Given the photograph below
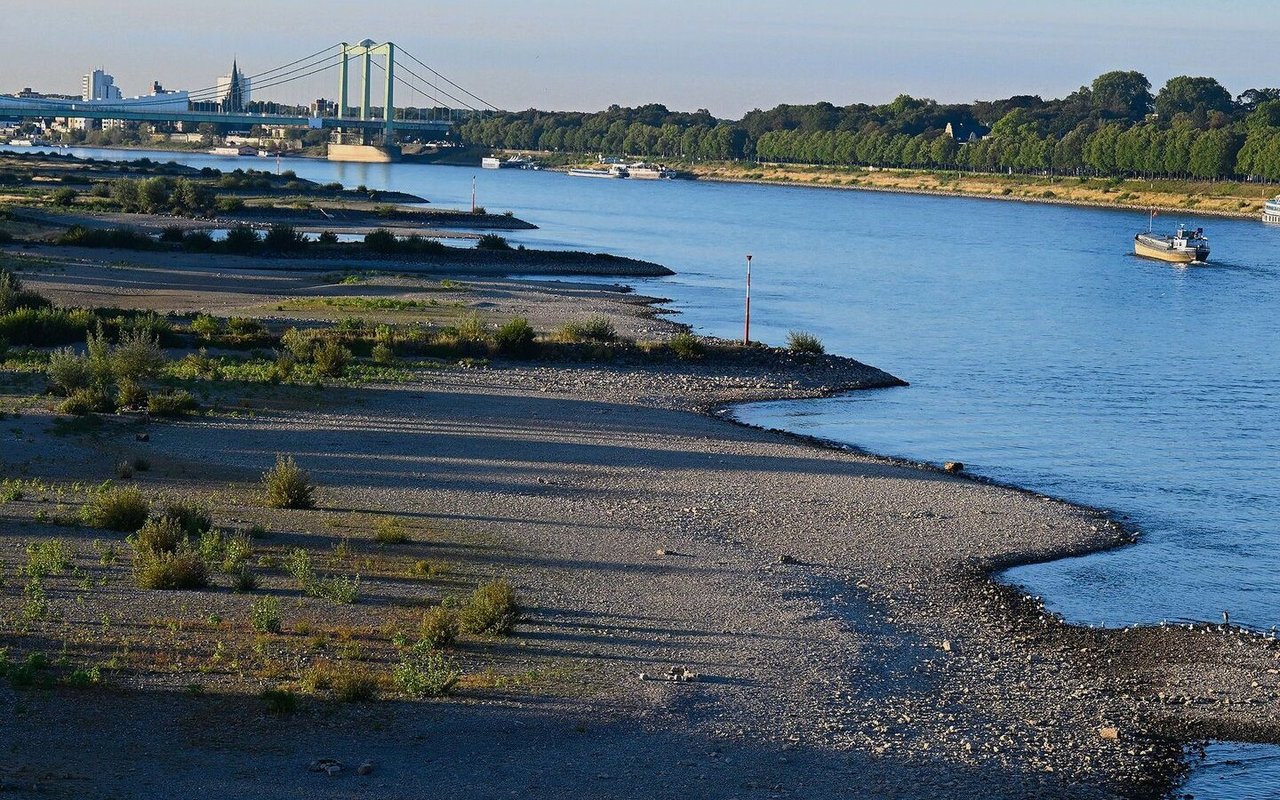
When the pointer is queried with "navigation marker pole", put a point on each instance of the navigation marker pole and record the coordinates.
(746, 329)
(473, 194)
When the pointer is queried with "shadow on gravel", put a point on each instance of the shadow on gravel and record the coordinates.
(113, 743)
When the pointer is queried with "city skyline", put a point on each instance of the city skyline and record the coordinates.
(729, 60)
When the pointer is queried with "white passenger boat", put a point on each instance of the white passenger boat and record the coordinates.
(1271, 210)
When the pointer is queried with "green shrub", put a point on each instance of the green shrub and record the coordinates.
(687, 347)
(181, 570)
(87, 401)
(230, 205)
(331, 358)
(198, 242)
(424, 672)
(69, 371)
(382, 354)
(137, 356)
(191, 517)
(160, 535)
(286, 485)
(440, 627)
(389, 530)
(327, 237)
(241, 240)
(130, 394)
(116, 238)
(354, 684)
(245, 327)
(237, 549)
(13, 296)
(173, 234)
(805, 343)
(44, 326)
(516, 339)
(341, 589)
(596, 328)
(297, 562)
(244, 581)
(283, 239)
(64, 197)
(172, 403)
(382, 241)
(49, 557)
(492, 241)
(264, 615)
(122, 508)
(492, 609)
(297, 344)
(279, 701)
(206, 326)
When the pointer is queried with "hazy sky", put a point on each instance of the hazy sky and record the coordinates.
(727, 56)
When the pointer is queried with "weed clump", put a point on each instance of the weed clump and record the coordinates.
(596, 328)
(116, 508)
(181, 570)
(687, 347)
(286, 485)
(264, 615)
(491, 610)
(424, 672)
(172, 404)
(805, 343)
(516, 339)
(440, 627)
(87, 401)
(331, 358)
(279, 701)
(390, 530)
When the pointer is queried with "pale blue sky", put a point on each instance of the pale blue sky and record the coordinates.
(725, 56)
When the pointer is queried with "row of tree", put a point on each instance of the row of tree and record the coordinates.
(1115, 126)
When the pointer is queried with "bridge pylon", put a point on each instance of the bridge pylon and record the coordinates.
(366, 51)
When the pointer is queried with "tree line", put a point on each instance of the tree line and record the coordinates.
(1191, 128)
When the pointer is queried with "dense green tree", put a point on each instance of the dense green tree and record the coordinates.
(1194, 96)
(1122, 94)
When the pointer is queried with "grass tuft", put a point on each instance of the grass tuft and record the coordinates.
(491, 610)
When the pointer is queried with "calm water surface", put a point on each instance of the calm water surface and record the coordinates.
(1039, 351)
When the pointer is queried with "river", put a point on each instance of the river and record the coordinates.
(1039, 350)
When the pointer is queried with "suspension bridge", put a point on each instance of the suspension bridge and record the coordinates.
(361, 131)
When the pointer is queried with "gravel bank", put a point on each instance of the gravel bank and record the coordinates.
(836, 607)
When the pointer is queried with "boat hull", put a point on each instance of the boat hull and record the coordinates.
(1271, 212)
(1170, 255)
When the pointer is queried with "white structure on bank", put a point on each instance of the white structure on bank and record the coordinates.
(98, 85)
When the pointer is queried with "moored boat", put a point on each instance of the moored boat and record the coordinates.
(1271, 210)
(1182, 247)
(648, 172)
(612, 172)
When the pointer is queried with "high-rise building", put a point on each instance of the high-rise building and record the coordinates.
(98, 85)
(234, 90)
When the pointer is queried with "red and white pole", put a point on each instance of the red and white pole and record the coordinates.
(473, 194)
(746, 329)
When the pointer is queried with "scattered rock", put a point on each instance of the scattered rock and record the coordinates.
(1109, 733)
(142, 437)
(365, 769)
(331, 766)
(661, 552)
(785, 559)
(680, 674)
(953, 466)
(644, 676)
(947, 647)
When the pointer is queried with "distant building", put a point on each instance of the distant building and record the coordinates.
(964, 134)
(98, 85)
(234, 90)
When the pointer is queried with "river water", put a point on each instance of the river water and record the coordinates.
(1039, 350)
